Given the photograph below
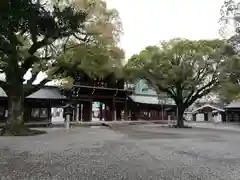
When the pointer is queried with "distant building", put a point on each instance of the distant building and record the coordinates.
(211, 112)
(233, 111)
(146, 104)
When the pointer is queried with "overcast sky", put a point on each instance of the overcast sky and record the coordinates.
(146, 22)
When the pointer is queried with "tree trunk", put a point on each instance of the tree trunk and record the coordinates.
(15, 91)
(15, 121)
(15, 109)
(180, 119)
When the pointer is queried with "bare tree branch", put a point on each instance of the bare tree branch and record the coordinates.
(37, 45)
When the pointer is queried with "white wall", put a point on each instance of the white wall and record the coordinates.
(200, 117)
(217, 118)
(210, 116)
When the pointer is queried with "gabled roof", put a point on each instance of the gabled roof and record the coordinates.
(47, 93)
(2, 93)
(145, 94)
(144, 99)
(141, 87)
(44, 93)
(218, 107)
(233, 104)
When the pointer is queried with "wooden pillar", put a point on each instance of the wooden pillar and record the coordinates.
(132, 113)
(226, 116)
(90, 111)
(49, 112)
(108, 111)
(72, 115)
(149, 114)
(100, 112)
(118, 112)
(81, 112)
(87, 111)
(77, 112)
(114, 114)
(125, 110)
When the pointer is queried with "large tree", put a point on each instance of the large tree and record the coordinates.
(35, 33)
(230, 82)
(102, 56)
(183, 69)
(91, 61)
(230, 20)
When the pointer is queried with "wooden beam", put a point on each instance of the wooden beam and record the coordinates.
(84, 97)
(103, 88)
(114, 118)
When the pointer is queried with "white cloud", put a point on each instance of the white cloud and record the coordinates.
(146, 22)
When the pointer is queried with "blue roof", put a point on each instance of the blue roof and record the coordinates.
(145, 94)
(47, 93)
(141, 87)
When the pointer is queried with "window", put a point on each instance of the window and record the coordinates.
(40, 112)
(43, 113)
(35, 112)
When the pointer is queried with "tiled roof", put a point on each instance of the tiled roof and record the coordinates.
(47, 93)
(146, 99)
(233, 104)
(141, 87)
(2, 93)
(145, 94)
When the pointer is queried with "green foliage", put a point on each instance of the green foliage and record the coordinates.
(230, 87)
(28, 31)
(229, 91)
(95, 61)
(179, 62)
(101, 20)
(34, 35)
(186, 70)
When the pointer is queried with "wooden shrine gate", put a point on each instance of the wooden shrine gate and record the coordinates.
(84, 92)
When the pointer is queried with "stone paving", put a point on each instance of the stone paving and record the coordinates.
(209, 125)
(132, 152)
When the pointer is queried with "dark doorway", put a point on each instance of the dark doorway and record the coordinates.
(205, 116)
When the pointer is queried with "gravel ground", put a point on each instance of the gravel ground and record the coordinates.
(133, 152)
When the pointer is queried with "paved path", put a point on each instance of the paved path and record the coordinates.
(138, 152)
